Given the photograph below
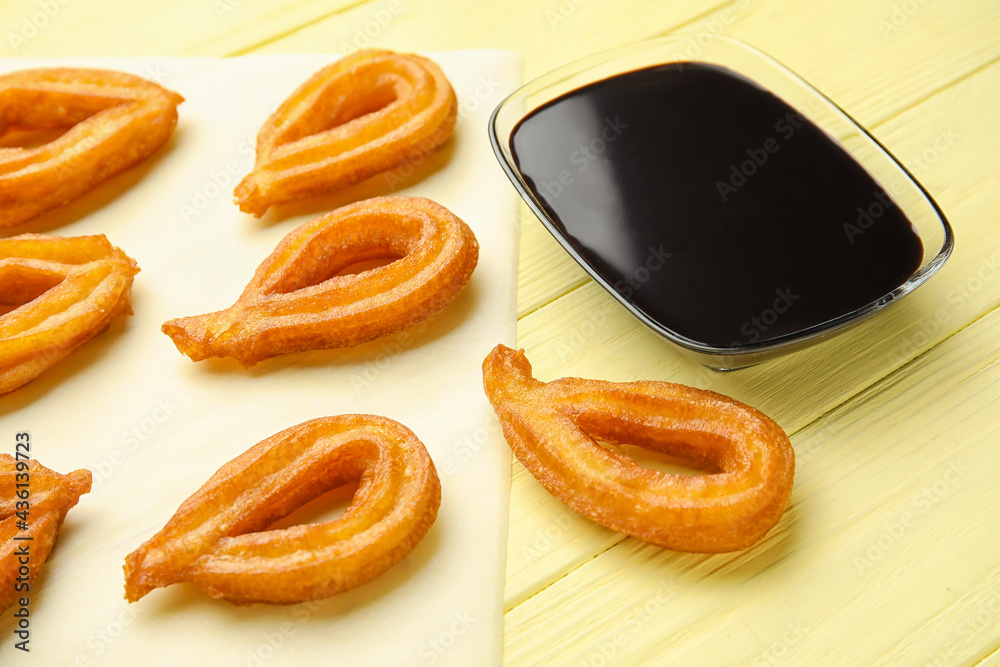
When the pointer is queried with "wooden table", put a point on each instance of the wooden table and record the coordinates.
(888, 553)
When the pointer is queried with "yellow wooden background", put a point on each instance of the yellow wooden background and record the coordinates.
(890, 550)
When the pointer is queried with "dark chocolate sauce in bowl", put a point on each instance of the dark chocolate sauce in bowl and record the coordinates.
(711, 206)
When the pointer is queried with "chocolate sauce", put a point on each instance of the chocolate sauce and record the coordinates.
(711, 205)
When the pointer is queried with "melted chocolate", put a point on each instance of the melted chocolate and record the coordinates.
(711, 205)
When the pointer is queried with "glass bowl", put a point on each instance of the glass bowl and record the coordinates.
(688, 211)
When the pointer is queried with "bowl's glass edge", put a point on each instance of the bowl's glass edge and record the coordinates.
(723, 358)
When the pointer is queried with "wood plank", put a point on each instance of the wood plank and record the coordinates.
(548, 272)
(587, 334)
(54, 28)
(889, 498)
(547, 33)
(991, 660)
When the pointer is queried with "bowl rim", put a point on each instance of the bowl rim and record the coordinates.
(752, 352)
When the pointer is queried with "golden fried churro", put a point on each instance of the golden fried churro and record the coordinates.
(33, 503)
(364, 114)
(551, 428)
(297, 301)
(113, 121)
(56, 294)
(219, 539)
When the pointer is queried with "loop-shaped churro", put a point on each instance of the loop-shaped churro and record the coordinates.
(113, 121)
(56, 293)
(33, 504)
(368, 112)
(297, 301)
(553, 429)
(219, 539)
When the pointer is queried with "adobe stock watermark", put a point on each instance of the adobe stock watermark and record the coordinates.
(778, 650)
(546, 538)
(389, 349)
(957, 297)
(656, 259)
(757, 157)
(32, 24)
(945, 139)
(562, 12)
(103, 638)
(132, 439)
(868, 216)
(437, 646)
(583, 156)
(755, 327)
(220, 180)
(604, 651)
(156, 73)
(483, 92)
(710, 29)
(102, 129)
(465, 448)
(366, 33)
(809, 448)
(966, 290)
(225, 7)
(893, 530)
(272, 641)
(986, 616)
(899, 16)
(578, 336)
(425, 148)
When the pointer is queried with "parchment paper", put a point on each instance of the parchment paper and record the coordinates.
(153, 426)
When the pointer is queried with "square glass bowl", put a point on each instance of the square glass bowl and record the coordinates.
(698, 210)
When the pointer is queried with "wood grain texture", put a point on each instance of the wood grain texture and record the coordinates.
(888, 553)
(47, 28)
(598, 339)
(888, 541)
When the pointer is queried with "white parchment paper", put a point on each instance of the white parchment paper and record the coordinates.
(153, 426)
